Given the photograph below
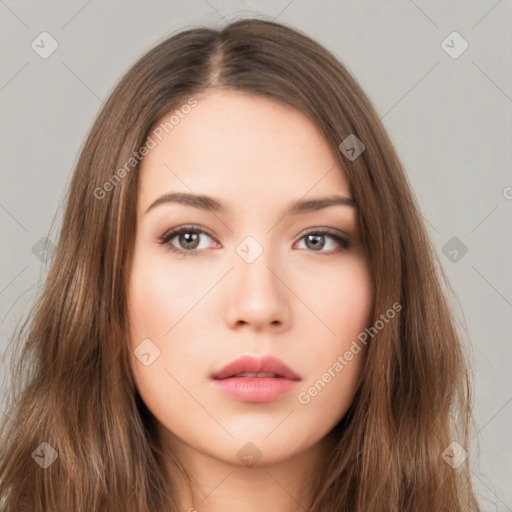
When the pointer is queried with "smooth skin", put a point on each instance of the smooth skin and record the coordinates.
(300, 300)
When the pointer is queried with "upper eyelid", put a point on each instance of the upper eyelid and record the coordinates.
(175, 231)
(328, 231)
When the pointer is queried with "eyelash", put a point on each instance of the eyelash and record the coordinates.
(166, 238)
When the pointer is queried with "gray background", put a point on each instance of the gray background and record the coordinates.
(450, 119)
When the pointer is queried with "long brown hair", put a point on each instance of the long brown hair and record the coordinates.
(72, 386)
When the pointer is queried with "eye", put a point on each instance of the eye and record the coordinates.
(188, 237)
(315, 240)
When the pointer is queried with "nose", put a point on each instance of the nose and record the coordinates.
(258, 295)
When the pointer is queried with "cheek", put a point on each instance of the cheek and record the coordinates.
(341, 298)
(161, 314)
(158, 297)
(343, 302)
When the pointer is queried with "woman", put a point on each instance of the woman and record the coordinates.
(244, 307)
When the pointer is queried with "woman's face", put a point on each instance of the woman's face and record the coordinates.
(254, 279)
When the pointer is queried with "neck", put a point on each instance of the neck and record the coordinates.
(224, 486)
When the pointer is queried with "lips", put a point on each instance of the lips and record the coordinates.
(256, 367)
(255, 380)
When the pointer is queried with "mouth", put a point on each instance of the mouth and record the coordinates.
(255, 379)
(258, 375)
(256, 367)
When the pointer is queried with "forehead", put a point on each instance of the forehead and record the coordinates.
(246, 149)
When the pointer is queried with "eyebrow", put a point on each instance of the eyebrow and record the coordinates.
(211, 204)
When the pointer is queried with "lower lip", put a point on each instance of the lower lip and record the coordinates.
(257, 390)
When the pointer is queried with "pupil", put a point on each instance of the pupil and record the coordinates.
(185, 237)
(309, 237)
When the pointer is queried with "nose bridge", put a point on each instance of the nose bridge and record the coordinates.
(258, 296)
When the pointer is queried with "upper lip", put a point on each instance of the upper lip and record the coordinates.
(254, 364)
